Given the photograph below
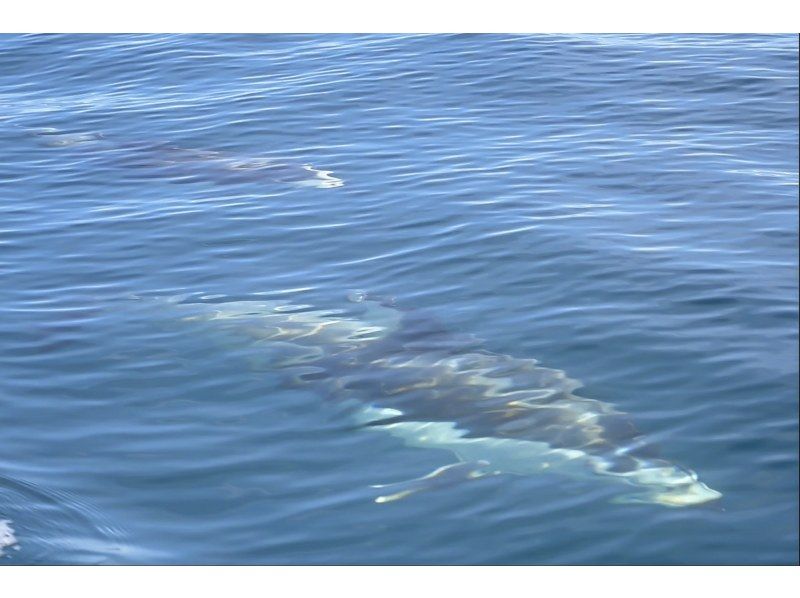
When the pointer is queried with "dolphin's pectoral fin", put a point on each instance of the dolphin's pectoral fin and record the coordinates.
(446, 476)
(629, 499)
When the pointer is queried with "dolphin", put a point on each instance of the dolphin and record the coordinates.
(406, 375)
(165, 159)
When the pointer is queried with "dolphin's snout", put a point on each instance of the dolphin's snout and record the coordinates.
(696, 493)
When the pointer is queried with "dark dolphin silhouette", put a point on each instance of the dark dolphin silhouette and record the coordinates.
(165, 159)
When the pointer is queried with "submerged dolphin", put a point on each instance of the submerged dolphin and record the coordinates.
(163, 159)
(407, 376)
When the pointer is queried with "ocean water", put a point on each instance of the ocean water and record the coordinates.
(620, 208)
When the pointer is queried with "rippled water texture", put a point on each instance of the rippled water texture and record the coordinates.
(620, 208)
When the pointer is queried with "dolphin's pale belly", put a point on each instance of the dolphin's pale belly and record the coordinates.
(506, 455)
(433, 389)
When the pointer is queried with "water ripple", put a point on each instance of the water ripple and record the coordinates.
(622, 207)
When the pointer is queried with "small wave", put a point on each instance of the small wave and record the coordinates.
(51, 526)
(7, 537)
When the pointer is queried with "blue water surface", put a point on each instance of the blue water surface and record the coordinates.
(623, 208)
